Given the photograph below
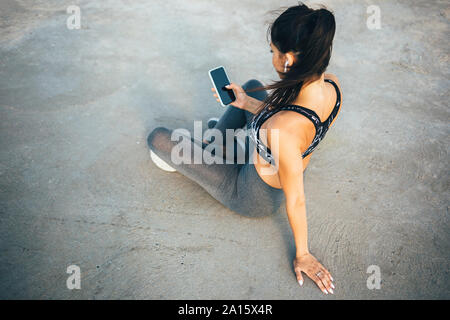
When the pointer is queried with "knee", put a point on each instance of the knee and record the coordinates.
(251, 84)
(156, 135)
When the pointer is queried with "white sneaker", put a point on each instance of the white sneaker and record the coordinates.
(160, 163)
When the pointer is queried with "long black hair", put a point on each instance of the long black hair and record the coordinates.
(308, 34)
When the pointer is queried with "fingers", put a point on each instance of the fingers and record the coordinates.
(215, 94)
(319, 283)
(315, 271)
(233, 86)
(327, 273)
(330, 278)
(321, 278)
(298, 274)
(326, 281)
(326, 278)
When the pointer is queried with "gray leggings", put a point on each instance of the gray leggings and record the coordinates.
(236, 185)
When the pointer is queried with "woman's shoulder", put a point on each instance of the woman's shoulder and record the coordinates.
(290, 123)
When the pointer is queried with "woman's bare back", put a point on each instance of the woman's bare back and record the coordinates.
(321, 102)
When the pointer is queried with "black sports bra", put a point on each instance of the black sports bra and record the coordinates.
(321, 127)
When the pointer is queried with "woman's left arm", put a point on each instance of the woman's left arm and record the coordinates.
(288, 157)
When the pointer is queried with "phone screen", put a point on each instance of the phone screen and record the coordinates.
(220, 80)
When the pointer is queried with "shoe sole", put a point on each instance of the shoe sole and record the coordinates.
(160, 163)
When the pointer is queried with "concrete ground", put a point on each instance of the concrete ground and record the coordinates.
(77, 185)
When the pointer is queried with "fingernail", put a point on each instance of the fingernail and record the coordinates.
(331, 290)
(325, 291)
(331, 278)
(332, 285)
(300, 282)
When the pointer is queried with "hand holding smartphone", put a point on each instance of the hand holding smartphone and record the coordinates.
(220, 79)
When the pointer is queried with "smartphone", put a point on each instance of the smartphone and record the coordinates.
(220, 80)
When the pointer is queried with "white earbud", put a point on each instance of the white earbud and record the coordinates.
(285, 66)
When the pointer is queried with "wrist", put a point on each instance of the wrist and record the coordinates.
(301, 253)
(247, 103)
(250, 104)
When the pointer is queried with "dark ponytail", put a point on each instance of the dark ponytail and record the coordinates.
(308, 34)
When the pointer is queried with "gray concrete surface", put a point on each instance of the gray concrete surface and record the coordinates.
(77, 185)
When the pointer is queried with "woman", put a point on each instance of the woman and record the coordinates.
(290, 116)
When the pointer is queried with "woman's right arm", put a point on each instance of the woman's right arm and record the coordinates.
(288, 157)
